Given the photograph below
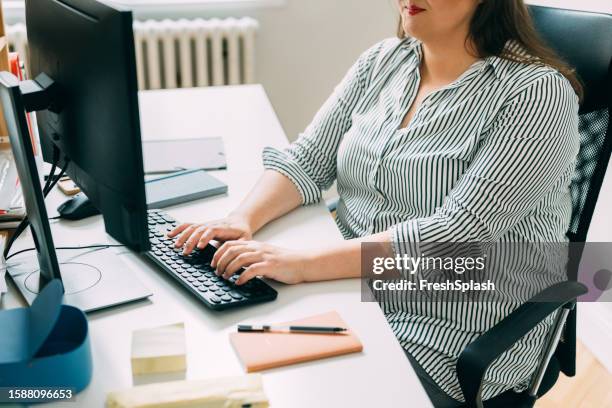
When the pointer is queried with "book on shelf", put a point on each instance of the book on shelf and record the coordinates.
(18, 69)
(4, 236)
(12, 209)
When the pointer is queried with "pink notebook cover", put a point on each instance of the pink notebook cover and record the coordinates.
(261, 351)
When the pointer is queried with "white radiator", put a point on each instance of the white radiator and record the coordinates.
(184, 53)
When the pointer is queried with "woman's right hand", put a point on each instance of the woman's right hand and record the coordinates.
(233, 227)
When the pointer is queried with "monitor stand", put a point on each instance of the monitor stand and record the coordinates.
(92, 280)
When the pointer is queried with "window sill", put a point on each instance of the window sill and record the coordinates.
(14, 10)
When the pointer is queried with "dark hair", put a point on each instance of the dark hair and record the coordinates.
(495, 22)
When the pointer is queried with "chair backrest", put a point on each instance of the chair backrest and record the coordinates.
(584, 41)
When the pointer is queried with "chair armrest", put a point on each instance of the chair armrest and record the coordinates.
(476, 358)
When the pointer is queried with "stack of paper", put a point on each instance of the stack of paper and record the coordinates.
(231, 392)
(3, 239)
(11, 199)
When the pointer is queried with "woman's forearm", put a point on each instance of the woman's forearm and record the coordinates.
(273, 196)
(342, 260)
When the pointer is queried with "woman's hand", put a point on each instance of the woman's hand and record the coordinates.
(190, 236)
(260, 259)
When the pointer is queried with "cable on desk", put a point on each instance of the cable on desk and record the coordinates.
(100, 246)
(49, 185)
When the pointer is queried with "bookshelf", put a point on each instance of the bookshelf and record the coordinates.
(4, 66)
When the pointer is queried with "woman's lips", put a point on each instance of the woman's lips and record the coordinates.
(414, 10)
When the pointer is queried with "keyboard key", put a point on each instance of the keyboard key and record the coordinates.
(212, 298)
(226, 298)
(220, 292)
(235, 295)
(202, 288)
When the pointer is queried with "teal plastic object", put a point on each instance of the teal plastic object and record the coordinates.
(45, 345)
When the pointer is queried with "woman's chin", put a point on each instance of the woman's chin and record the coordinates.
(413, 30)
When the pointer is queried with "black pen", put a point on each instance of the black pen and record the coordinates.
(290, 329)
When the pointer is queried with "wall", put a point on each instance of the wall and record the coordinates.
(306, 46)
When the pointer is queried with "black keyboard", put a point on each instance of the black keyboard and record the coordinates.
(194, 272)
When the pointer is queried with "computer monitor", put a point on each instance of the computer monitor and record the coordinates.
(87, 48)
(90, 119)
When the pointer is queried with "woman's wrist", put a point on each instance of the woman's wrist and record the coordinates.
(340, 261)
(248, 218)
(311, 265)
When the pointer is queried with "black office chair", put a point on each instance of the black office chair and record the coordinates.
(584, 40)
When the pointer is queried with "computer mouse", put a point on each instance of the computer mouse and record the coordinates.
(77, 208)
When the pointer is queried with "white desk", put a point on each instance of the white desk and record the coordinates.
(381, 376)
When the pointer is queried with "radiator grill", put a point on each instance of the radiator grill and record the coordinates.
(184, 53)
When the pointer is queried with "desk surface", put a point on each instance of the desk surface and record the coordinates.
(243, 116)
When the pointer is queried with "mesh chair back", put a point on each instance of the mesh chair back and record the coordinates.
(584, 40)
(591, 166)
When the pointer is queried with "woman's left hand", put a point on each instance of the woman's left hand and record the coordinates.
(259, 259)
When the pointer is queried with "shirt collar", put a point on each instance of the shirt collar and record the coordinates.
(498, 65)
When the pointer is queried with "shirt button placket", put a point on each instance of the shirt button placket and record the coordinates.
(377, 206)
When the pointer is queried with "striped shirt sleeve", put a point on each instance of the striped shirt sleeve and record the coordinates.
(310, 162)
(529, 146)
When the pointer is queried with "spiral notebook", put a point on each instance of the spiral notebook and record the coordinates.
(262, 351)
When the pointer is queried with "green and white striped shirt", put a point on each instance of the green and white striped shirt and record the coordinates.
(487, 158)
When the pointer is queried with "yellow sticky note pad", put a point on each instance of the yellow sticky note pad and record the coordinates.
(159, 350)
